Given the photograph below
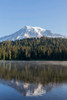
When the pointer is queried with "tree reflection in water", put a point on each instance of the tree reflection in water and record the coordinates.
(32, 79)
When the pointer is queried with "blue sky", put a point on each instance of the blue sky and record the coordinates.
(48, 14)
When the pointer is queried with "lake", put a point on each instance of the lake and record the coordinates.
(33, 80)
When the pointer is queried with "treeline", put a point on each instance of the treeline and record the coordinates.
(34, 49)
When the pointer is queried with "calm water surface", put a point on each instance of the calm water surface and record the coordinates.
(33, 80)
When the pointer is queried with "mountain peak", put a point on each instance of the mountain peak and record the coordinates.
(35, 28)
(30, 32)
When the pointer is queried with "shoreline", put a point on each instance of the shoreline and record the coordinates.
(38, 62)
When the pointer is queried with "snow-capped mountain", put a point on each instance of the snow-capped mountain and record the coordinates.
(30, 32)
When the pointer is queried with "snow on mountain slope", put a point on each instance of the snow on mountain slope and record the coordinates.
(30, 32)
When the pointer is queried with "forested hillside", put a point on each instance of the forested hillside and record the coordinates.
(34, 49)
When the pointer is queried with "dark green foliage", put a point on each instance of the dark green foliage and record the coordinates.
(34, 49)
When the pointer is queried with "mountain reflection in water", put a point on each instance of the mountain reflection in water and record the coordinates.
(32, 79)
(27, 89)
